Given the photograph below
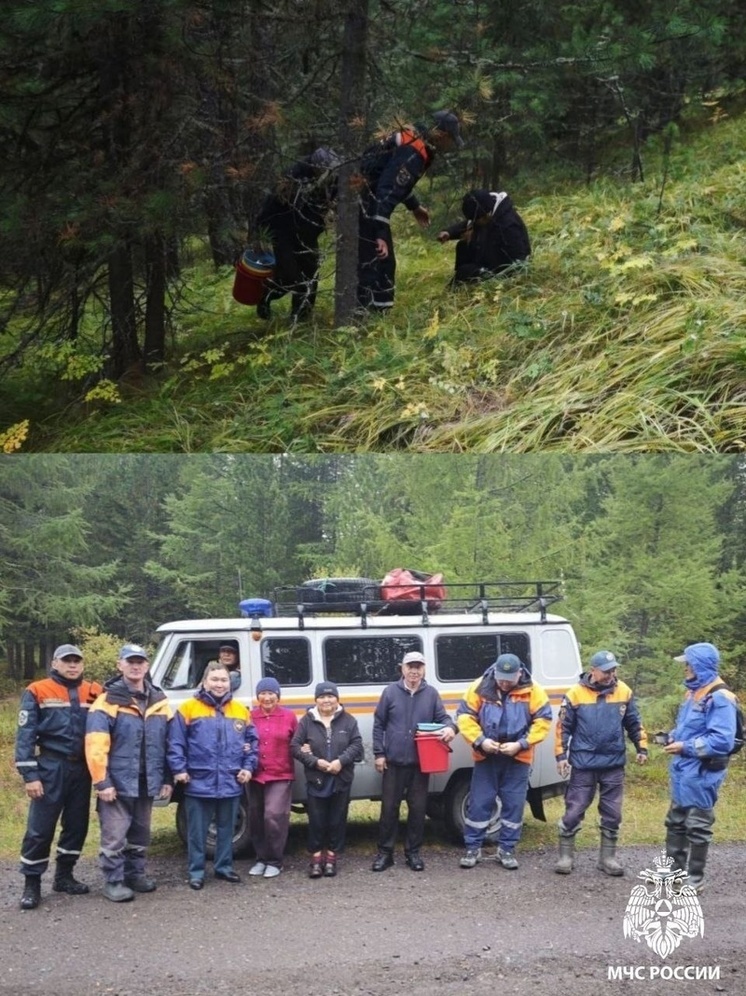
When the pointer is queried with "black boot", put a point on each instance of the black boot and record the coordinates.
(677, 847)
(31, 893)
(65, 881)
(697, 862)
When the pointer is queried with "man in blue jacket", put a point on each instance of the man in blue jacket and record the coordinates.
(403, 705)
(699, 745)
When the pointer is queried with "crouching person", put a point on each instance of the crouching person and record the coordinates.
(212, 751)
(125, 747)
(491, 238)
(503, 715)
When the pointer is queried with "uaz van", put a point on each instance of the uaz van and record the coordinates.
(341, 630)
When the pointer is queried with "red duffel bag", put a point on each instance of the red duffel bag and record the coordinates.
(402, 585)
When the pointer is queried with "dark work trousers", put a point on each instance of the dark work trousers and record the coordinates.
(200, 813)
(580, 792)
(376, 278)
(67, 797)
(296, 272)
(125, 836)
(327, 822)
(695, 824)
(269, 819)
(467, 268)
(497, 778)
(400, 780)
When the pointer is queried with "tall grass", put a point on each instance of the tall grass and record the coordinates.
(626, 332)
(646, 802)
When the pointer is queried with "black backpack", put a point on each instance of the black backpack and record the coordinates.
(719, 763)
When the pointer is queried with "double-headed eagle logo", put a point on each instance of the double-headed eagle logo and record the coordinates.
(664, 910)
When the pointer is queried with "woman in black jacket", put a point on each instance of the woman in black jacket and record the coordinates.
(491, 238)
(327, 743)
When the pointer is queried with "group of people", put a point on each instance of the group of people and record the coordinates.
(124, 741)
(491, 238)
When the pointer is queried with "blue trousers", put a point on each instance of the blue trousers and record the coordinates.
(67, 798)
(497, 779)
(581, 790)
(200, 814)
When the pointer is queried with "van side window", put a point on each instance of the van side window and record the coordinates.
(366, 660)
(188, 662)
(465, 657)
(288, 659)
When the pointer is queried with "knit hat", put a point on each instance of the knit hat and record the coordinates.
(268, 685)
(326, 688)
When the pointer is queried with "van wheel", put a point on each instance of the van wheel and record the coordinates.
(455, 809)
(241, 838)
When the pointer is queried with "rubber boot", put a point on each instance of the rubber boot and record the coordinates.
(607, 861)
(566, 854)
(31, 893)
(65, 881)
(697, 862)
(677, 847)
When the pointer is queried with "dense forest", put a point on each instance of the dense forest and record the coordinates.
(134, 131)
(651, 549)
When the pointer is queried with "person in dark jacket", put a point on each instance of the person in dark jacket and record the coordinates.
(699, 746)
(51, 760)
(293, 218)
(327, 743)
(125, 747)
(502, 716)
(589, 746)
(390, 169)
(212, 751)
(403, 705)
(491, 238)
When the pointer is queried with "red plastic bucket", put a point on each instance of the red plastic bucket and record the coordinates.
(432, 752)
(252, 271)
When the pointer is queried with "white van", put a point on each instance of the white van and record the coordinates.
(357, 641)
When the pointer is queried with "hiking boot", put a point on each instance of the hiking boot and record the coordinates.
(31, 892)
(330, 866)
(140, 883)
(316, 868)
(472, 857)
(118, 892)
(507, 859)
(65, 881)
(382, 861)
(415, 862)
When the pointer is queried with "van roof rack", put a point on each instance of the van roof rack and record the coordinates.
(363, 598)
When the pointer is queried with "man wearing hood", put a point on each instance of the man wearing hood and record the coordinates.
(699, 745)
(50, 759)
(502, 715)
(125, 747)
(589, 746)
(491, 238)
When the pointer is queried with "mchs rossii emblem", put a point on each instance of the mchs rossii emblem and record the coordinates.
(664, 910)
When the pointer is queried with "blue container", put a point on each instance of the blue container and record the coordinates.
(252, 607)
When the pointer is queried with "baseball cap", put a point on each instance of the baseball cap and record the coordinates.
(413, 657)
(604, 660)
(507, 666)
(227, 646)
(66, 650)
(132, 650)
(448, 122)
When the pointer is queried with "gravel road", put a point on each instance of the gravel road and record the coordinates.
(481, 932)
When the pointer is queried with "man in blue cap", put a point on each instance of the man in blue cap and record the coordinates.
(502, 715)
(589, 746)
(699, 745)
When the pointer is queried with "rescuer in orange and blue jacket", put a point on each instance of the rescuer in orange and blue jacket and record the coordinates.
(125, 747)
(51, 760)
(213, 752)
(589, 746)
(390, 169)
(503, 715)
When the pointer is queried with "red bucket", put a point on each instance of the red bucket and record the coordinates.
(432, 752)
(252, 272)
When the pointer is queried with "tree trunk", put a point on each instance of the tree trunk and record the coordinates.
(29, 661)
(154, 350)
(125, 351)
(352, 118)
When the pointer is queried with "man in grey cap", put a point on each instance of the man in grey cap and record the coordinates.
(389, 171)
(51, 760)
(402, 706)
(589, 747)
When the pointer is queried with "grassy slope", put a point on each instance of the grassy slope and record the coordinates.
(627, 332)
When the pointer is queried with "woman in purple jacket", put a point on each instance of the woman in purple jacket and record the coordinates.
(270, 790)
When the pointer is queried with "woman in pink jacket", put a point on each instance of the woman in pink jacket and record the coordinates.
(270, 789)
